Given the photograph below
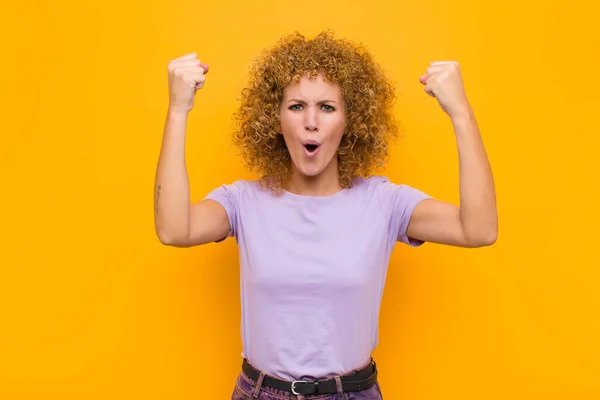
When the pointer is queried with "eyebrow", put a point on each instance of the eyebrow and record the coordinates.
(303, 102)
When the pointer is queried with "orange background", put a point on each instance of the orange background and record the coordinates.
(92, 306)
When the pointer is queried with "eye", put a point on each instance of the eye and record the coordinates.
(327, 107)
(295, 107)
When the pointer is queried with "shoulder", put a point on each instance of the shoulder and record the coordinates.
(376, 180)
(232, 191)
(390, 192)
(240, 186)
(382, 183)
(244, 190)
(372, 183)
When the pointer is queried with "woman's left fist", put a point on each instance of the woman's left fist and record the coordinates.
(443, 81)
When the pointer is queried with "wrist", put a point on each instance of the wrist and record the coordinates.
(177, 113)
(464, 114)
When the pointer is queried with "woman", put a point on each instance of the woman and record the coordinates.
(315, 232)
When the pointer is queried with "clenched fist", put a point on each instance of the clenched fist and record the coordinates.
(443, 81)
(186, 76)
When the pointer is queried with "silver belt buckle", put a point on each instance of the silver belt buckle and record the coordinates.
(293, 386)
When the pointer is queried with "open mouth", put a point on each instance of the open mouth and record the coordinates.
(311, 147)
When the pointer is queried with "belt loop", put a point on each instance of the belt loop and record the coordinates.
(338, 385)
(258, 385)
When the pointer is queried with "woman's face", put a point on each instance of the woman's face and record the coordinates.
(312, 124)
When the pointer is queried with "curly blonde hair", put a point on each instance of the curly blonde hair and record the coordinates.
(368, 95)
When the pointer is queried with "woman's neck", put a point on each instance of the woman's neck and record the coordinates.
(324, 184)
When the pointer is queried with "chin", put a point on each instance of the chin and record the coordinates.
(310, 171)
(311, 168)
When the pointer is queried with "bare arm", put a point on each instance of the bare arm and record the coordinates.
(171, 186)
(475, 222)
(176, 222)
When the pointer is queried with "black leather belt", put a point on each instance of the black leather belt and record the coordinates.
(357, 380)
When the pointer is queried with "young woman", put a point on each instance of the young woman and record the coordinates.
(316, 231)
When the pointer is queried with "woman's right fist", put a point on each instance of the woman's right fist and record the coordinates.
(186, 75)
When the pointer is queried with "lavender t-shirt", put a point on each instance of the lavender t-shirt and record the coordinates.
(313, 271)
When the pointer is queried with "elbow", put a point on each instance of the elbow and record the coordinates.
(172, 240)
(484, 240)
(480, 234)
(489, 240)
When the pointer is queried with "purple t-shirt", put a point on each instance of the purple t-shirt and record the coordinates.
(313, 271)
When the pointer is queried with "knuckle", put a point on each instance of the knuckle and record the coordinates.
(188, 76)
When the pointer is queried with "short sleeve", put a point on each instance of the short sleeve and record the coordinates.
(228, 196)
(398, 203)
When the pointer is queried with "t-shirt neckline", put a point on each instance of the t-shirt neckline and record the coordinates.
(308, 198)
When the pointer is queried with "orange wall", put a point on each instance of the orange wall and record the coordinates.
(92, 306)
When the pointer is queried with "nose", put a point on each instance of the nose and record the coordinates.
(311, 123)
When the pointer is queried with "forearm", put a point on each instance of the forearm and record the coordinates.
(478, 212)
(171, 187)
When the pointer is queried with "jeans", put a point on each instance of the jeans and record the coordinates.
(246, 389)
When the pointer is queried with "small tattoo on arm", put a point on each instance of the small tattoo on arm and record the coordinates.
(157, 197)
